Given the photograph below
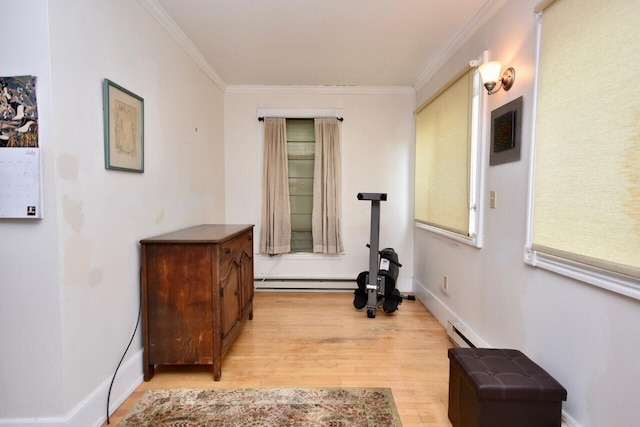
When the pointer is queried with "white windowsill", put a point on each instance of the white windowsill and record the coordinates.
(474, 241)
(613, 282)
(301, 256)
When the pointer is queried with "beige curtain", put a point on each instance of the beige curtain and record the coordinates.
(275, 236)
(327, 181)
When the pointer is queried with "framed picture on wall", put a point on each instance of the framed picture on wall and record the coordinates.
(506, 130)
(123, 128)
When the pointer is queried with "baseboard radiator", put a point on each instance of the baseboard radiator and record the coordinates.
(457, 335)
(305, 284)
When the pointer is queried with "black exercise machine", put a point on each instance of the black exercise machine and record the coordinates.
(378, 284)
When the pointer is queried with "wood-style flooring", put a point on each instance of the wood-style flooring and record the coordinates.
(310, 339)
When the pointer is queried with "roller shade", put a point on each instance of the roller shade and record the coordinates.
(586, 203)
(443, 153)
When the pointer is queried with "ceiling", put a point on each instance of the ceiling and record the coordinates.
(323, 42)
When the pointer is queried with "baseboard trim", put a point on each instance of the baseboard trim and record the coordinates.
(567, 421)
(91, 411)
(443, 313)
(33, 422)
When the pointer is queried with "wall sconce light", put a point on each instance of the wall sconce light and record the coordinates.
(490, 74)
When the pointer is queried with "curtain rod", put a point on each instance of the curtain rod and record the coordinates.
(261, 119)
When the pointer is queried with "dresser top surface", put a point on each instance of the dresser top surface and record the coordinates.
(204, 233)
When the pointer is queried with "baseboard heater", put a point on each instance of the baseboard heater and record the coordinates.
(309, 284)
(457, 336)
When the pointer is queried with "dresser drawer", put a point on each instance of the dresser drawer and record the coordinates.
(232, 250)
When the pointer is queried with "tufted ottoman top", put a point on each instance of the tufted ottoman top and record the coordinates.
(498, 374)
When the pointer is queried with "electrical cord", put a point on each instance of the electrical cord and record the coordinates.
(125, 352)
(266, 276)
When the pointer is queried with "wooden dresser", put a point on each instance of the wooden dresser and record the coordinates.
(197, 290)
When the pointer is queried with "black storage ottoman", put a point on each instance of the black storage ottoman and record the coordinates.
(501, 388)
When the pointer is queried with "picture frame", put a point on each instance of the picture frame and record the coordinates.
(506, 130)
(123, 128)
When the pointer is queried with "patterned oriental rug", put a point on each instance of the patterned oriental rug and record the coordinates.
(281, 407)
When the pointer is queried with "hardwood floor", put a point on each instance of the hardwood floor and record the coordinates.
(321, 340)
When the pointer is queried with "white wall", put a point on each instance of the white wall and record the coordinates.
(30, 322)
(72, 317)
(377, 152)
(587, 338)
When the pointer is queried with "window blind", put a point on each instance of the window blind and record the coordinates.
(301, 155)
(586, 199)
(443, 156)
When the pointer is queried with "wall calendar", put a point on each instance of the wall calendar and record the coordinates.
(20, 165)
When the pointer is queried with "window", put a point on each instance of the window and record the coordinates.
(301, 154)
(446, 177)
(584, 218)
(301, 184)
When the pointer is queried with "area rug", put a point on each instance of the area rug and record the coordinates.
(282, 407)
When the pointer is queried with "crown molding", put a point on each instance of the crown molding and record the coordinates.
(445, 54)
(352, 90)
(487, 12)
(159, 14)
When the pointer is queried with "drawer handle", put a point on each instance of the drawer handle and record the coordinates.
(227, 251)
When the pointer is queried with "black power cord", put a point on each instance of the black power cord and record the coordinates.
(125, 352)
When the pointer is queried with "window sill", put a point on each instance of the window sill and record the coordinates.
(474, 241)
(623, 285)
(301, 256)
